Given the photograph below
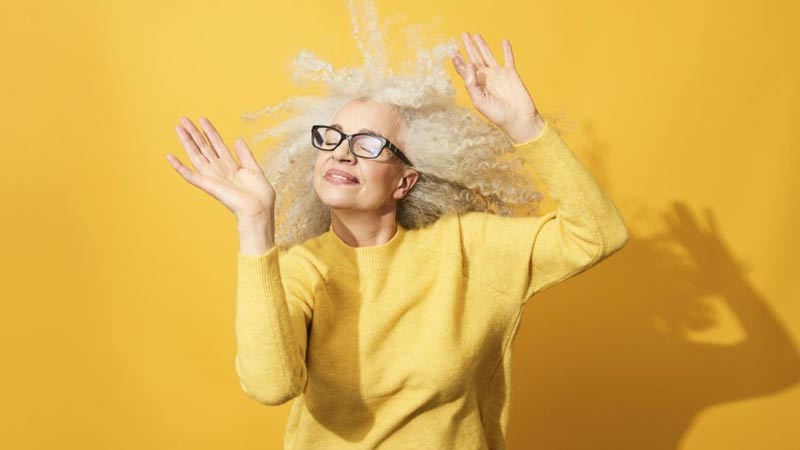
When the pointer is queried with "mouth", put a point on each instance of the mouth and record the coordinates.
(334, 176)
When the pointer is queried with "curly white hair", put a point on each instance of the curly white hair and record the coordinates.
(465, 162)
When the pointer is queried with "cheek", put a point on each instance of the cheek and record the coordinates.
(379, 179)
(316, 175)
(318, 164)
(318, 161)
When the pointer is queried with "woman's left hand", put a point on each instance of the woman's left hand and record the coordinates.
(497, 91)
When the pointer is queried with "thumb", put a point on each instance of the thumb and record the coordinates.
(471, 82)
(472, 77)
(245, 155)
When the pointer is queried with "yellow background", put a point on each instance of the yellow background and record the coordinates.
(119, 277)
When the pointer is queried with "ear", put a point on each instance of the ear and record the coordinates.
(405, 184)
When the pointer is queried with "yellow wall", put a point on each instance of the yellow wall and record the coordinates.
(119, 277)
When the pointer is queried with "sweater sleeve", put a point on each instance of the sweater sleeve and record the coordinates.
(274, 306)
(585, 228)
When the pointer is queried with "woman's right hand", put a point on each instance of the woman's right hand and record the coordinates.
(242, 188)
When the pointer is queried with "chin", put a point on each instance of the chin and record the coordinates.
(336, 200)
(337, 203)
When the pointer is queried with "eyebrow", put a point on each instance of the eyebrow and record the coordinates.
(363, 130)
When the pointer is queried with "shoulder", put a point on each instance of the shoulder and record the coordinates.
(457, 224)
(305, 258)
(445, 225)
(479, 222)
(445, 236)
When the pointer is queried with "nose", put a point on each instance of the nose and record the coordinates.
(342, 152)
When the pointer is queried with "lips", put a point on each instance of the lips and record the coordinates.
(337, 175)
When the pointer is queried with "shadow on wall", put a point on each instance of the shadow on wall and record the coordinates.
(606, 360)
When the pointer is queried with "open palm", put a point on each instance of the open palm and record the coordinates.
(242, 188)
(496, 91)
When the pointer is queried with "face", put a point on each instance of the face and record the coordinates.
(375, 184)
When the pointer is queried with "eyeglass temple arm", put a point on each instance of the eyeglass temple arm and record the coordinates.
(397, 152)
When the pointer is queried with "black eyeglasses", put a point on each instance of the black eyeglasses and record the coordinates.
(362, 145)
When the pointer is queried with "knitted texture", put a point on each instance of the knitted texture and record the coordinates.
(408, 344)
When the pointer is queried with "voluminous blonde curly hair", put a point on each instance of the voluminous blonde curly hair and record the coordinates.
(465, 163)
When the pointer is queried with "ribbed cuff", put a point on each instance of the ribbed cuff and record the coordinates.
(535, 139)
(546, 150)
(259, 278)
(248, 257)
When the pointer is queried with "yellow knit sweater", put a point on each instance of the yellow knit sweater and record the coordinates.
(407, 345)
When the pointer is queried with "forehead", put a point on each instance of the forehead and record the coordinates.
(366, 117)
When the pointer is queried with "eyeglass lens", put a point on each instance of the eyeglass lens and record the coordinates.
(362, 145)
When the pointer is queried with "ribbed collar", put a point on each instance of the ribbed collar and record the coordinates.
(357, 259)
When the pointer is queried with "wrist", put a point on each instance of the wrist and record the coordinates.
(256, 238)
(525, 129)
(258, 220)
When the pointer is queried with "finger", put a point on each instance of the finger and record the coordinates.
(216, 140)
(192, 177)
(460, 65)
(472, 51)
(199, 140)
(245, 155)
(197, 158)
(471, 83)
(508, 54)
(485, 51)
(472, 76)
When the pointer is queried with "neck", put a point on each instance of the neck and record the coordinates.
(364, 229)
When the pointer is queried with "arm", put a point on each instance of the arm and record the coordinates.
(274, 300)
(274, 307)
(585, 228)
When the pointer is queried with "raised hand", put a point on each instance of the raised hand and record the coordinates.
(242, 188)
(497, 91)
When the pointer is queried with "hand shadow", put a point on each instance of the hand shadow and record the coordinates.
(605, 361)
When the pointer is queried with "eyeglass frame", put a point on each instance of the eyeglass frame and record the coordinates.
(349, 137)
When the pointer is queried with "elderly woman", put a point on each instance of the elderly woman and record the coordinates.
(388, 299)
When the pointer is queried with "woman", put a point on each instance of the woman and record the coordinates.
(392, 336)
